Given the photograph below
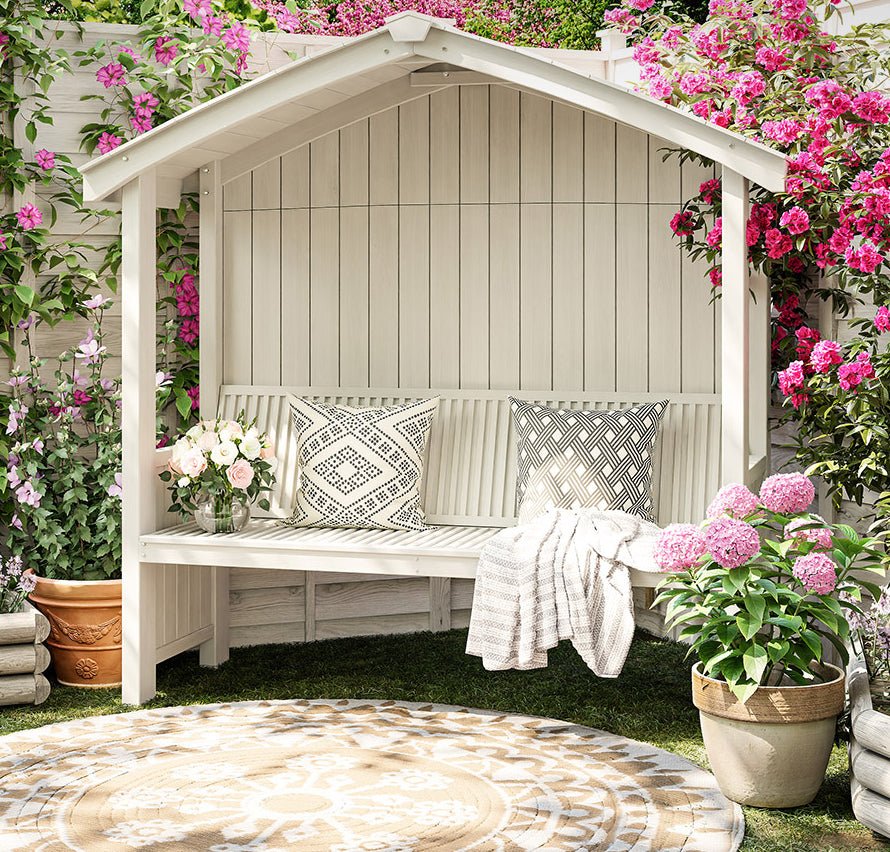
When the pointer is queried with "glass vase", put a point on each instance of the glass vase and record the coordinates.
(221, 513)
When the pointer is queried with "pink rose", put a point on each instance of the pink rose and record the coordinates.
(267, 453)
(240, 474)
(193, 463)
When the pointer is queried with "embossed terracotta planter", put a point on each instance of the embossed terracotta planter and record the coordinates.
(85, 629)
(772, 751)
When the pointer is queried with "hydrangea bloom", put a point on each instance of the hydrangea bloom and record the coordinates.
(826, 353)
(816, 571)
(679, 547)
(820, 536)
(731, 542)
(787, 493)
(734, 500)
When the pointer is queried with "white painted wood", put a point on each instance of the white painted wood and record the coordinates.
(450, 552)
(211, 284)
(354, 323)
(414, 297)
(504, 145)
(535, 156)
(503, 368)
(237, 346)
(384, 295)
(138, 275)
(535, 297)
(469, 475)
(445, 307)
(474, 145)
(736, 342)
(444, 138)
(265, 300)
(632, 299)
(568, 294)
(474, 301)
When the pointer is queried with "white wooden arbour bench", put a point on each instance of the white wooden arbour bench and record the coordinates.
(708, 438)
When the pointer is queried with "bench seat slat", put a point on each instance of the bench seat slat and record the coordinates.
(436, 552)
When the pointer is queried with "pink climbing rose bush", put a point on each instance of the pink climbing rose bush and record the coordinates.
(761, 582)
(767, 69)
(839, 394)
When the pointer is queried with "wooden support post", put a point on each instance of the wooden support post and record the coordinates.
(215, 650)
(138, 288)
(759, 378)
(735, 367)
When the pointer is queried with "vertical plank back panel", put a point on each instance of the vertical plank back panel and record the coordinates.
(479, 237)
(470, 467)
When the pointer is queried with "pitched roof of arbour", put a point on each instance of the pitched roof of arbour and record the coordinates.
(407, 58)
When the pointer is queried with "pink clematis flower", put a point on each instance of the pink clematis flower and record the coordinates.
(112, 74)
(29, 217)
(45, 159)
(108, 142)
(165, 50)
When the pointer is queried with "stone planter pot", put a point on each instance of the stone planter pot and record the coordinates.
(22, 657)
(869, 752)
(85, 629)
(772, 751)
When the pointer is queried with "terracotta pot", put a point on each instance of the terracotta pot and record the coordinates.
(772, 751)
(85, 629)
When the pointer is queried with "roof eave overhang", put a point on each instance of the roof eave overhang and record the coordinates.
(410, 35)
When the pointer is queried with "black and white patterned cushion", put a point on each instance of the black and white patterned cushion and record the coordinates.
(572, 459)
(360, 467)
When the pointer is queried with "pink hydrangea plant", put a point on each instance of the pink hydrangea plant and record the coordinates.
(679, 547)
(734, 500)
(787, 493)
(731, 542)
(817, 572)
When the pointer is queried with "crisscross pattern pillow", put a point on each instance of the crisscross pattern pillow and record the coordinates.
(570, 459)
(360, 467)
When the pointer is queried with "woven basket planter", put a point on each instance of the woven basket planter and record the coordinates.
(869, 752)
(23, 658)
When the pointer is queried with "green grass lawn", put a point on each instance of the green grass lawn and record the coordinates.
(650, 702)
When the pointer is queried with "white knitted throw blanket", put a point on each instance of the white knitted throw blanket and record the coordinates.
(563, 576)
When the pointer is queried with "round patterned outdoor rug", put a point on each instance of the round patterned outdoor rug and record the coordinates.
(350, 776)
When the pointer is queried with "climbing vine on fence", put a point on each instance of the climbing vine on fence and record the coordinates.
(767, 69)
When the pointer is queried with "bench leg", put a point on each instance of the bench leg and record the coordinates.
(215, 650)
(139, 655)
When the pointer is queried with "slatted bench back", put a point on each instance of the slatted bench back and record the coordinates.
(470, 470)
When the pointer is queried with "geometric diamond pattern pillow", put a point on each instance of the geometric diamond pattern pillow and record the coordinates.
(360, 467)
(572, 459)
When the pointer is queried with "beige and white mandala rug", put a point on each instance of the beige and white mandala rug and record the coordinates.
(350, 776)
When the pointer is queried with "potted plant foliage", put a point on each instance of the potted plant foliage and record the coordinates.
(759, 589)
(63, 470)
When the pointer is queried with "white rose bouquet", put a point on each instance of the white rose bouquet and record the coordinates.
(217, 469)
